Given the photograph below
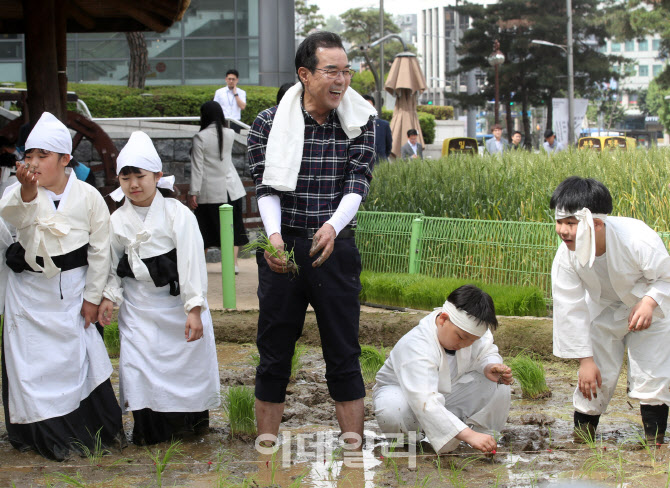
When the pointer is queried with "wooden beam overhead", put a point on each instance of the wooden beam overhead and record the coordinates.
(80, 16)
(142, 16)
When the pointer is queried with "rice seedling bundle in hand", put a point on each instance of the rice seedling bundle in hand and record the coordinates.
(372, 359)
(238, 403)
(529, 372)
(263, 242)
(112, 341)
(296, 360)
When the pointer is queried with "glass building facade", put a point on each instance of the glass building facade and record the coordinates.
(212, 37)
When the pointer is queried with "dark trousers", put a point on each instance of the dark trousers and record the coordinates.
(332, 289)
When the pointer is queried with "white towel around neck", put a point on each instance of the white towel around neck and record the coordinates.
(283, 153)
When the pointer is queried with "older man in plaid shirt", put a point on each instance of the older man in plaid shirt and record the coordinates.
(317, 221)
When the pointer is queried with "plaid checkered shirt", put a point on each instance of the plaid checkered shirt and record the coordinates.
(332, 166)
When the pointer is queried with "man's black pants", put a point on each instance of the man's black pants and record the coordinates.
(332, 289)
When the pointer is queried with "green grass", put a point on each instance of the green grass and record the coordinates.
(529, 372)
(238, 403)
(425, 293)
(518, 186)
(112, 341)
(372, 359)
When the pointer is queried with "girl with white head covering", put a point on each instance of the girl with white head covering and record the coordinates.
(56, 389)
(610, 285)
(168, 372)
(445, 377)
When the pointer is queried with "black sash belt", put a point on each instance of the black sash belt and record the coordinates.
(16, 259)
(162, 269)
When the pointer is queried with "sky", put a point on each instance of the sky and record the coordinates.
(394, 7)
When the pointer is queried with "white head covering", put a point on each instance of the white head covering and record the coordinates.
(140, 152)
(51, 134)
(585, 241)
(463, 320)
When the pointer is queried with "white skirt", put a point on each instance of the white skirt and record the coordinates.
(53, 363)
(158, 369)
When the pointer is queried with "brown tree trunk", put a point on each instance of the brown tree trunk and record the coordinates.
(139, 64)
(508, 119)
(550, 112)
(528, 136)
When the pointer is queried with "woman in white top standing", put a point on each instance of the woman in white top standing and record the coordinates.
(214, 180)
(55, 369)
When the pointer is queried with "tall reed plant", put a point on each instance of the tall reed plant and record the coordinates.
(238, 403)
(518, 185)
(529, 372)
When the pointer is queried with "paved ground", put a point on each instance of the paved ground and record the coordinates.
(246, 284)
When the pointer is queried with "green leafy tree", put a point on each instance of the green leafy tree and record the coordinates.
(361, 27)
(333, 24)
(307, 18)
(534, 74)
(363, 82)
(632, 19)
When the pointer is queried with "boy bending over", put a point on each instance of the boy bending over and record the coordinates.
(445, 377)
(610, 282)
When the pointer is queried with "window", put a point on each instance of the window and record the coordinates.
(629, 46)
(644, 70)
(616, 47)
(655, 44)
(642, 45)
(657, 70)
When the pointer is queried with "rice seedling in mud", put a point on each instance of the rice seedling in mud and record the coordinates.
(162, 460)
(372, 359)
(606, 462)
(296, 359)
(238, 403)
(455, 475)
(67, 480)
(529, 372)
(94, 455)
(262, 242)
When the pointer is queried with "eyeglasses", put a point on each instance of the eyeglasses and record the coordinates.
(332, 73)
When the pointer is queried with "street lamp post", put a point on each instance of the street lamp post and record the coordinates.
(496, 59)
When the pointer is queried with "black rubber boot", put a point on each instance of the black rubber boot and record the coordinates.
(655, 421)
(585, 427)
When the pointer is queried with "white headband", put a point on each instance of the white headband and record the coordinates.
(140, 152)
(51, 134)
(464, 320)
(585, 242)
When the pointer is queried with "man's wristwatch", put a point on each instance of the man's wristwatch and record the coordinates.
(236, 95)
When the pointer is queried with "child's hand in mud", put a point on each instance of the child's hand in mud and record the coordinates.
(193, 330)
(499, 373)
(482, 442)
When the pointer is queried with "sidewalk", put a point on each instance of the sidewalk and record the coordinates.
(246, 285)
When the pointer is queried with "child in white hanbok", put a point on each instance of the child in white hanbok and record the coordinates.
(55, 369)
(168, 372)
(610, 284)
(445, 377)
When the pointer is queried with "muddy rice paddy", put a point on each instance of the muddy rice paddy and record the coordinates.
(535, 448)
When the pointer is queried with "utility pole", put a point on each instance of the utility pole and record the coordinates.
(380, 95)
(571, 80)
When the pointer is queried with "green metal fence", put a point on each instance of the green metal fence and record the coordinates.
(383, 239)
(489, 251)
